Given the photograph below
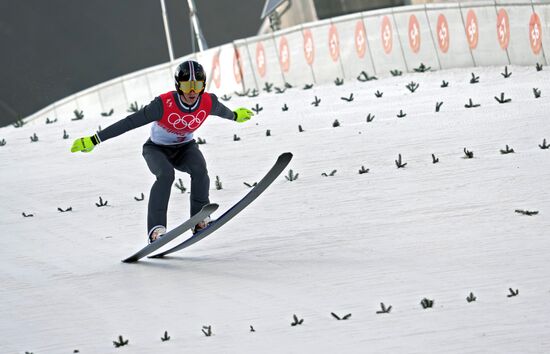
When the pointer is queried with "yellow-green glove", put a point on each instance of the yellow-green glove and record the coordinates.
(85, 144)
(242, 114)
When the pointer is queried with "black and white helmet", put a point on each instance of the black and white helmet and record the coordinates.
(189, 70)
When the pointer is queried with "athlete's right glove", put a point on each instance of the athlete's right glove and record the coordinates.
(85, 144)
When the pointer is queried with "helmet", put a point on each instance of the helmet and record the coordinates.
(189, 70)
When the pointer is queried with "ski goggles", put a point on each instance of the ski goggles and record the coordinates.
(194, 85)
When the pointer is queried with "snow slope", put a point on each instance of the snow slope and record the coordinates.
(343, 243)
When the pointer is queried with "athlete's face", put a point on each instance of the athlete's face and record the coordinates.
(190, 98)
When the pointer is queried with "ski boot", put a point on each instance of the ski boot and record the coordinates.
(201, 225)
(156, 233)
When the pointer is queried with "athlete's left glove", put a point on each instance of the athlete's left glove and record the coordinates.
(85, 144)
(242, 114)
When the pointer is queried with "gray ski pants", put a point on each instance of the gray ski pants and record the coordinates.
(162, 160)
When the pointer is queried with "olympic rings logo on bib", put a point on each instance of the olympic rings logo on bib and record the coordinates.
(188, 121)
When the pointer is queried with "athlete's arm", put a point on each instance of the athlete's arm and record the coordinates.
(150, 113)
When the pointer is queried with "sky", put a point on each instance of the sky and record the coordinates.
(342, 244)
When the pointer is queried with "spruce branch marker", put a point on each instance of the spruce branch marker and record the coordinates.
(316, 102)
(378, 94)
(268, 132)
(108, 114)
(526, 212)
(471, 297)
(438, 106)
(296, 321)
(363, 77)
(284, 108)
(427, 303)
(65, 135)
(435, 159)
(207, 330)
(422, 68)
(536, 92)
(201, 141)
(242, 94)
(330, 174)
(471, 104)
(252, 329)
(396, 72)
(347, 99)
(501, 100)
(346, 317)
(78, 115)
(401, 114)
(291, 176)
(300, 129)
(257, 108)
(166, 337)
(538, 67)
(101, 203)
(339, 81)
(19, 123)
(506, 74)
(254, 93)
(218, 183)
(412, 86)
(2, 142)
(225, 98)
(48, 121)
(66, 210)
(444, 84)
(27, 215)
(399, 163)
(507, 150)
(370, 118)
(236, 137)
(336, 123)
(544, 146)
(180, 186)
(121, 342)
(268, 86)
(384, 309)
(134, 107)
(34, 138)
(142, 197)
(308, 86)
(468, 154)
(513, 292)
(279, 90)
(474, 79)
(250, 185)
(363, 170)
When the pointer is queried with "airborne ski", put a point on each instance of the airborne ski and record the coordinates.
(274, 172)
(172, 234)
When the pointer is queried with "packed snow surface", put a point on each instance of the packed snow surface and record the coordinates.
(343, 243)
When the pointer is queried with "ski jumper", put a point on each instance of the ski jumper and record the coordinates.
(171, 146)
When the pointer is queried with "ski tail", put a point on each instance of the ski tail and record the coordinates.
(172, 234)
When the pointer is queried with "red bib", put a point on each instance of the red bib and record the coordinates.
(179, 122)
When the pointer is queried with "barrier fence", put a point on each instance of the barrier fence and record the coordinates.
(440, 36)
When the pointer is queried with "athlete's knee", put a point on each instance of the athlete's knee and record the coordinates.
(165, 176)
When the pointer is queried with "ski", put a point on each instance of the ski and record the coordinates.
(172, 234)
(274, 172)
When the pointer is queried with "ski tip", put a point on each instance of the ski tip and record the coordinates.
(286, 155)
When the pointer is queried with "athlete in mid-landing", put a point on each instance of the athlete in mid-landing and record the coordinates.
(175, 116)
